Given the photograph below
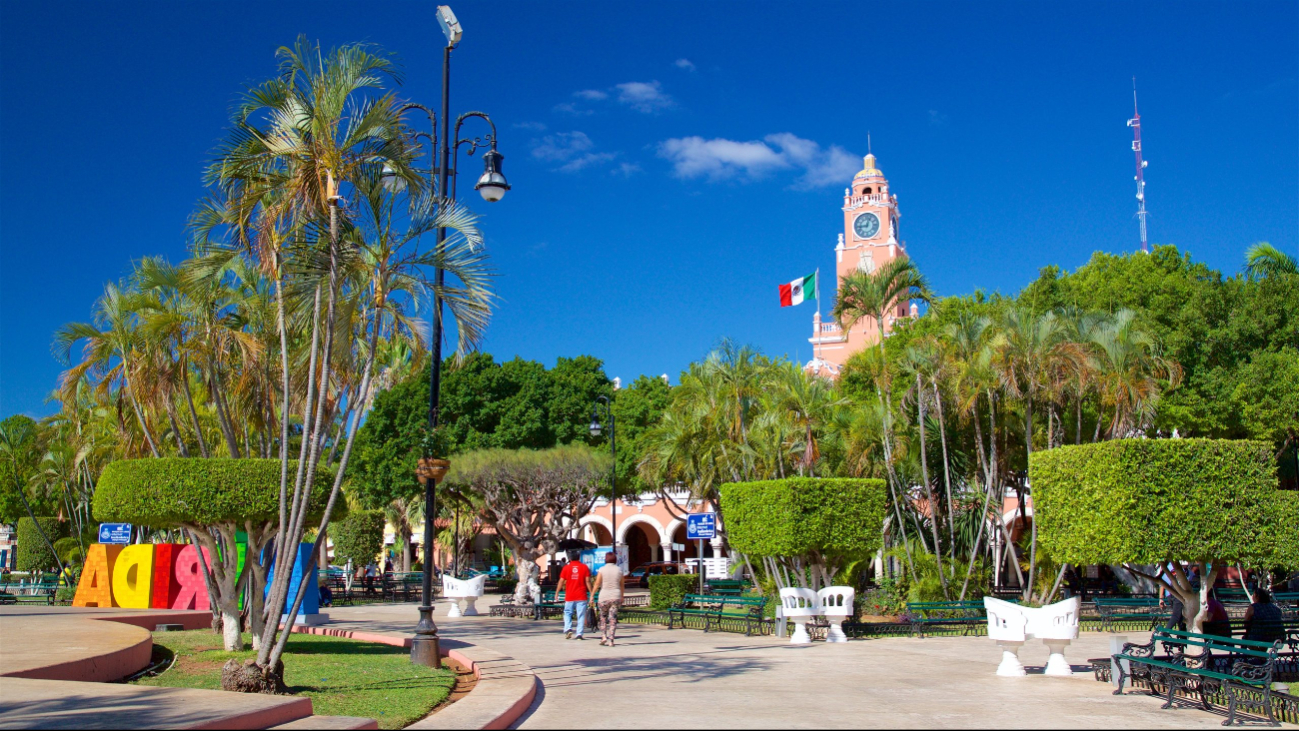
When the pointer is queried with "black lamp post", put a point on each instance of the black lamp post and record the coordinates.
(492, 185)
(596, 429)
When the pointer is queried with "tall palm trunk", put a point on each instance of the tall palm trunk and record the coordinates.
(193, 415)
(139, 415)
(934, 516)
(175, 426)
(947, 476)
(1028, 451)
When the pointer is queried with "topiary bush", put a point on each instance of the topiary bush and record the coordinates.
(173, 491)
(1210, 502)
(825, 522)
(32, 552)
(668, 589)
(358, 537)
(207, 496)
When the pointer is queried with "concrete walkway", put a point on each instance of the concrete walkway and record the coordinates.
(660, 678)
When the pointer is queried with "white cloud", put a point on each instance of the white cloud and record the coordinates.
(719, 159)
(561, 146)
(644, 96)
(534, 126)
(573, 109)
(684, 64)
(936, 119)
(573, 151)
(591, 94)
(626, 169)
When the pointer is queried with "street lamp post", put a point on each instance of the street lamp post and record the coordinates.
(596, 429)
(491, 185)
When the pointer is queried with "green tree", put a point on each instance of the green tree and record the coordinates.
(18, 465)
(636, 409)
(358, 538)
(1212, 503)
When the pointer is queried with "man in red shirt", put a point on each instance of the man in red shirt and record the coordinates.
(575, 579)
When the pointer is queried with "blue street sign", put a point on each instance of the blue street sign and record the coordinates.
(701, 526)
(115, 533)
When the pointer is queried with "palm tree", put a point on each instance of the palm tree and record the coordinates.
(871, 296)
(112, 346)
(1130, 372)
(1264, 260)
(920, 361)
(1029, 351)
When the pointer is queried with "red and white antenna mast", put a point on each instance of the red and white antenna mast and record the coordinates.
(1135, 124)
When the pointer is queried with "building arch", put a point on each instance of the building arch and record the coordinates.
(593, 519)
(627, 523)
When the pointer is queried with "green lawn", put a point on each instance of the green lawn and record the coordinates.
(342, 677)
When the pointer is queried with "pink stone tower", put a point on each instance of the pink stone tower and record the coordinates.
(869, 239)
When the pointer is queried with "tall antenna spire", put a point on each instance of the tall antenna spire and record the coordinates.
(1135, 124)
(868, 143)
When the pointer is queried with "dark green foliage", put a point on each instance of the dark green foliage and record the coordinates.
(33, 553)
(666, 590)
(636, 408)
(16, 477)
(164, 493)
(837, 518)
(1213, 326)
(1158, 500)
(484, 405)
(359, 537)
(506, 586)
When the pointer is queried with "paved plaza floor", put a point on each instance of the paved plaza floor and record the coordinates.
(660, 678)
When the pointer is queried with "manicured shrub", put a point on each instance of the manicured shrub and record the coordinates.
(1209, 502)
(358, 537)
(168, 492)
(1156, 500)
(506, 586)
(835, 519)
(668, 589)
(33, 553)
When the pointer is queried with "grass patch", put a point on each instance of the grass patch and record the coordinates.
(342, 677)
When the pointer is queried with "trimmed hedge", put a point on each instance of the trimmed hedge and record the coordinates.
(162, 493)
(32, 553)
(668, 589)
(839, 518)
(1156, 500)
(359, 537)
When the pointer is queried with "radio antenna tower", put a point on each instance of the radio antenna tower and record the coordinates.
(1135, 124)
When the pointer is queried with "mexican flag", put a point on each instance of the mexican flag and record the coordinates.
(798, 290)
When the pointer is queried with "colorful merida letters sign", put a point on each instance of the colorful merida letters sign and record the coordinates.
(143, 576)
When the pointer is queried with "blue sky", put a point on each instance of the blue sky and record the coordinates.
(673, 163)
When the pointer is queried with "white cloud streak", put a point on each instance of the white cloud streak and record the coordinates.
(644, 96)
(684, 64)
(723, 159)
(572, 151)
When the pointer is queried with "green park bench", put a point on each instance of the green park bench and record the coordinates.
(1118, 609)
(1202, 664)
(968, 615)
(41, 592)
(726, 587)
(714, 609)
(550, 601)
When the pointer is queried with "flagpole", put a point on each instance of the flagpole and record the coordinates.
(816, 343)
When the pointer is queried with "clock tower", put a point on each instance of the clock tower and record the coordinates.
(869, 239)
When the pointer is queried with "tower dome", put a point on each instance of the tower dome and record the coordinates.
(869, 171)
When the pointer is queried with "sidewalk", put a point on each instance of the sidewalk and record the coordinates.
(660, 678)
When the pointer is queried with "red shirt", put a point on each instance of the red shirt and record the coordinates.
(574, 577)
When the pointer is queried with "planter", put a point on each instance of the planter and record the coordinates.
(430, 468)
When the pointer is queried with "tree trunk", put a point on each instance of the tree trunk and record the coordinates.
(934, 516)
(1028, 453)
(526, 567)
(193, 415)
(947, 477)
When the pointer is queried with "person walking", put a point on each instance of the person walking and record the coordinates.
(608, 587)
(576, 579)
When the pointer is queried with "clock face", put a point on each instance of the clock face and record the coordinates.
(866, 225)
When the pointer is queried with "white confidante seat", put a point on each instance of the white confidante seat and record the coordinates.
(799, 605)
(836, 604)
(1012, 625)
(463, 593)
